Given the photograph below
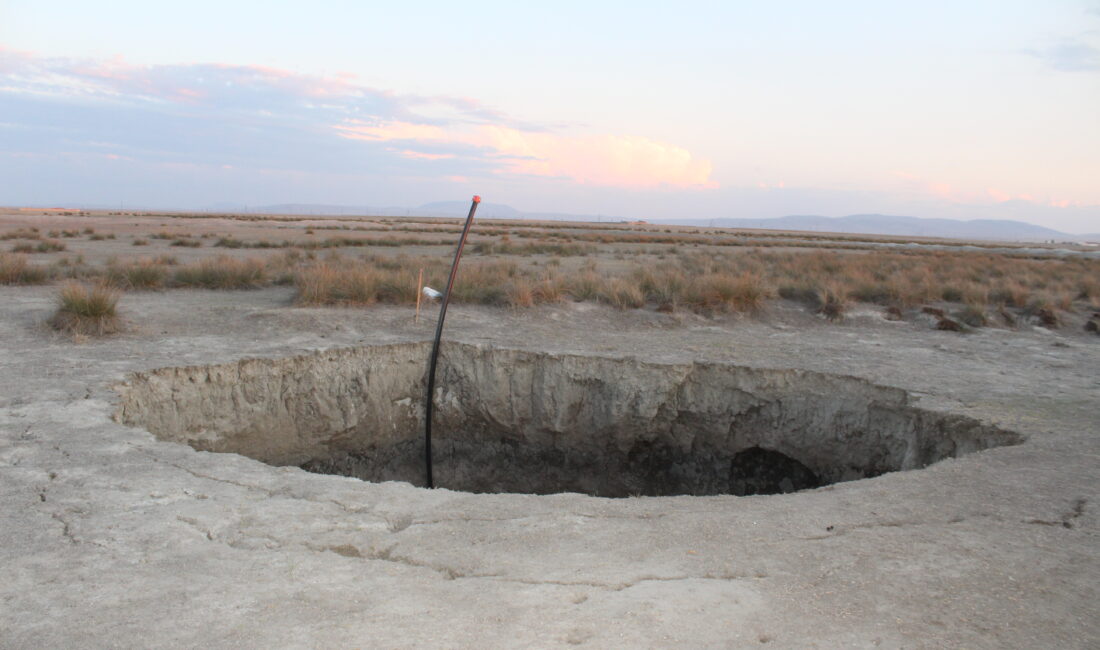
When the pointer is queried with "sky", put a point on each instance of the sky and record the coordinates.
(963, 109)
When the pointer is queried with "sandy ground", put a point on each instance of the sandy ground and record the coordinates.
(110, 538)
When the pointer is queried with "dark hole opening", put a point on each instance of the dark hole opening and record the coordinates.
(763, 471)
(647, 469)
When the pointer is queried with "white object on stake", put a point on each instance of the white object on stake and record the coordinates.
(432, 293)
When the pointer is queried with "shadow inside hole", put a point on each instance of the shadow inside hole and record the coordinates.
(763, 471)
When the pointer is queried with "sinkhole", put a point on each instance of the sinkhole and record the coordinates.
(539, 423)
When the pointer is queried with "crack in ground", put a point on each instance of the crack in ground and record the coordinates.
(617, 586)
(67, 532)
(451, 520)
(195, 524)
(836, 531)
(271, 493)
(387, 555)
(1068, 519)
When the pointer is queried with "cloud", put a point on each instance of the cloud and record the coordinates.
(255, 116)
(611, 160)
(914, 187)
(1069, 55)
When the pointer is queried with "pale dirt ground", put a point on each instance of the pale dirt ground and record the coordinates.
(110, 538)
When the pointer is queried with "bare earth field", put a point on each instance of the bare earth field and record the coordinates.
(114, 535)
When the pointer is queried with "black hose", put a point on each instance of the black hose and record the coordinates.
(435, 344)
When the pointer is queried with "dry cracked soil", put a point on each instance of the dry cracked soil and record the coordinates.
(118, 528)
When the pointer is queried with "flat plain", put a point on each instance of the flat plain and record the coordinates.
(113, 535)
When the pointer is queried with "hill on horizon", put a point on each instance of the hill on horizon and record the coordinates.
(903, 226)
(868, 224)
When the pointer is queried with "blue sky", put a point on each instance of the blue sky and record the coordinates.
(702, 109)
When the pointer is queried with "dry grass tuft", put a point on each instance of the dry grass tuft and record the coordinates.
(144, 274)
(87, 310)
(222, 273)
(50, 246)
(723, 292)
(331, 284)
(833, 303)
(621, 293)
(15, 269)
(21, 233)
(973, 316)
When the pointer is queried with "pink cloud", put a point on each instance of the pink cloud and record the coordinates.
(915, 184)
(606, 160)
(409, 153)
(393, 131)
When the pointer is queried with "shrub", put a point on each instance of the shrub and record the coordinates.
(143, 274)
(141, 242)
(722, 292)
(549, 289)
(229, 242)
(22, 233)
(880, 294)
(833, 303)
(621, 294)
(585, 286)
(331, 284)
(664, 286)
(87, 310)
(972, 315)
(15, 269)
(520, 293)
(485, 283)
(951, 294)
(50, 246)
(188, 243)
(222, 273)
(804, 293)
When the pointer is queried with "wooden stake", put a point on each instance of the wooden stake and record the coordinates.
(419, 292)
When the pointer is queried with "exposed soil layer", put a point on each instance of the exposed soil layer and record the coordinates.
(516, 421)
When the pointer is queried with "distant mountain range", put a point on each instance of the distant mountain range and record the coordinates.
(870, 224)
(883, 224)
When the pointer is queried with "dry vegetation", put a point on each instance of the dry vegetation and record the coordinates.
(716, 282)
(87, 310)
(707, 272)
(15, 269)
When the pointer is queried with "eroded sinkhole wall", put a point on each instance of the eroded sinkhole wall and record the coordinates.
(516, 421)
